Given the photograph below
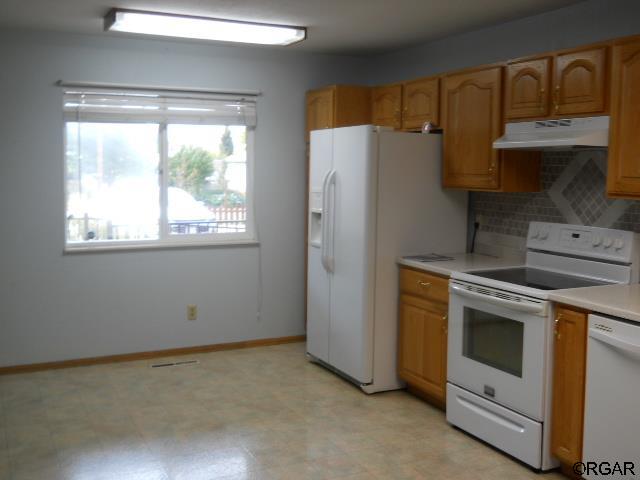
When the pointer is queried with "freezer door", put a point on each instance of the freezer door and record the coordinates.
(318, 302)
(318, 279)
(352, 251)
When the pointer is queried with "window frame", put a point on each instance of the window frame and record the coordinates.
(165, 239)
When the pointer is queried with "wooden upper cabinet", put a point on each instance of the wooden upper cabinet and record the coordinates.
(386, 106)
(338, 106)
(569, 373)
(527, 89)
(580, 80)
(472, 120)
(320, 109)
(623, 178)
(420, 103)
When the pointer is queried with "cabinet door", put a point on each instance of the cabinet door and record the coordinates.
(527, 89)
(420, 103)
(579, 82)
(570, 352)
(386, 106)
(422, 346)
(623, 177)
(471, 121)
(320, 108)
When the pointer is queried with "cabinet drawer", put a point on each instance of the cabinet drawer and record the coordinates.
(426, 285)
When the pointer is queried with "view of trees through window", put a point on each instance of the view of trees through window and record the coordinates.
(209, 163)
(115, 190)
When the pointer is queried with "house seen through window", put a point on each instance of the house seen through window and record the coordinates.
(148, 169)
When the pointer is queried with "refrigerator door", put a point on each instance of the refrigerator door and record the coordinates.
(415, 215)
(351, 251)
(318, 279)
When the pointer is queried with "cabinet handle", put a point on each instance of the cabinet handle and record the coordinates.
(556, 326)
(541, 98)
(423, 284)
(556, 98)
(491, 169)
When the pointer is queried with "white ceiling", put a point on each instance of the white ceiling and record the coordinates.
(336, 26)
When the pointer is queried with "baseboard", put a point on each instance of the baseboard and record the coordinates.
(426, 397)
(129, 357)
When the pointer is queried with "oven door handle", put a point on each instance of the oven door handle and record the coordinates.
(532, 307)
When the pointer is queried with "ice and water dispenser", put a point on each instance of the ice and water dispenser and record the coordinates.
(315, 220)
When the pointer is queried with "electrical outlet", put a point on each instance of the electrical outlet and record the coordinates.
(192, 312)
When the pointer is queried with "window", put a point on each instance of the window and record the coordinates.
(147, 168)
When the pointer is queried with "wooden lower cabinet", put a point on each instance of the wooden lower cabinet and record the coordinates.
(422, 345)
(569, 372)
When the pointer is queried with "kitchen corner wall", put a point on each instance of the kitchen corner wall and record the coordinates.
(573, 191)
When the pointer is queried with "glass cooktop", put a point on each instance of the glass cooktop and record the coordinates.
(537, 278)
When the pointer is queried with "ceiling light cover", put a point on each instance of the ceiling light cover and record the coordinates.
(201, 28)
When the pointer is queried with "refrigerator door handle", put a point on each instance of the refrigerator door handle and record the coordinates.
(331, 187)
(323, 221)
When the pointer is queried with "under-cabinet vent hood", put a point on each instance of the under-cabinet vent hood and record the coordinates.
(556, 134)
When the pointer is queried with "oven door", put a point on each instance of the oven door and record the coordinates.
(497, 346)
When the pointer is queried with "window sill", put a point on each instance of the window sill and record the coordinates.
(71, 250)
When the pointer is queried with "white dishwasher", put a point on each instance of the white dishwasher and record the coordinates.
(612, 422)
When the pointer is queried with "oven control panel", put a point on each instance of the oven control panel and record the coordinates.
(584, 241)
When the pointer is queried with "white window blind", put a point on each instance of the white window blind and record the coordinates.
(116, 105)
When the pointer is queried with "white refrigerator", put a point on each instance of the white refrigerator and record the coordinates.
(374, 195)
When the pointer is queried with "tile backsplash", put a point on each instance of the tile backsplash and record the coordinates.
(573, 191)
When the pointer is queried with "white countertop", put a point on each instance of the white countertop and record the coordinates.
(615, 300)
(462, 262)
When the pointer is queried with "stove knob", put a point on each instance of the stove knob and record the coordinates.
(607, 242)
(534, 233)
(618, 244)
(544, 233)
(596, 241)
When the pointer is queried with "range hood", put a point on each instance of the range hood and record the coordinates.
(555, 134)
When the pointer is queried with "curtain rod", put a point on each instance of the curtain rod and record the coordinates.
(122, 86)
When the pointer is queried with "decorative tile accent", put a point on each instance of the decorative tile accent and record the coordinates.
(573, 191)
(585, 194)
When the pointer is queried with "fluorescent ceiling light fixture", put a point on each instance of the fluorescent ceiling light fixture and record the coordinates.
(201, 28)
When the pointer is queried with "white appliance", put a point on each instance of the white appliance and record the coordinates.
(556, 134)
(375, 195)
(501, 333)
(611, 421)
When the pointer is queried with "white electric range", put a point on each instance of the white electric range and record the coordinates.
(501, 333)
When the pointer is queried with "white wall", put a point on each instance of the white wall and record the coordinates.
(579, 24)
(55, 306)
